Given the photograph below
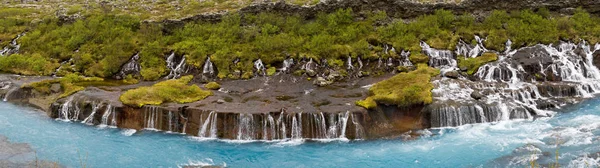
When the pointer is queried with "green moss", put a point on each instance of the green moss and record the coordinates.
(418, 58)
(70, 84)
(405, 89)
(212, 86)
(271, 71)
(473, 64)
(176, 90)
(367, 103)
(130, 80)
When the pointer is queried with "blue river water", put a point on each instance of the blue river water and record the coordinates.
(575, 129)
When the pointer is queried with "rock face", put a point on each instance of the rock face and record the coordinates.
(402, 8)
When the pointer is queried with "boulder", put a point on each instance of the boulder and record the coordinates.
(322, 82)
(452, 74)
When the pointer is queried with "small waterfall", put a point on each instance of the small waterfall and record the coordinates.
(151, 117)
(170, 121)
(9, 93)
(260, 68)
(109, 113)
(349, 63)
(13, 46)
(209, 68)
(359, 130)
(209, 124)
(131, 67)
(443, 59)
(90, 119)
(390, 62)
(287, 65)
(297, 126)
(469, 51)
(177, 66)
(360, 63)
(65, 109)
(404, 59)
(245, 127)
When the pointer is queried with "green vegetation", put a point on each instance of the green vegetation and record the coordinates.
(368, 103)
(212, 86)
(404, 89)
(69, 84)
(176, 90)
(100, 42)
(473, 64)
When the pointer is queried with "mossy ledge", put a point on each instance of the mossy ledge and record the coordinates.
(405, 89)
(175, 90)
(473, 64)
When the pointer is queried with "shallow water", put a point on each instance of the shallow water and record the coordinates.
(479, 145)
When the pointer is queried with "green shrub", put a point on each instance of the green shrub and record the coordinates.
(176, 90)
(473, 64)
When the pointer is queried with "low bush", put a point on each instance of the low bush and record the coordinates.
(175, 90)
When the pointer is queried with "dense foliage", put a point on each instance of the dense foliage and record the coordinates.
(100, 43)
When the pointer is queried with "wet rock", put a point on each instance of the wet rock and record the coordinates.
(322, 82)
(334, 75)
(477, 95)
(55, 88)
(311, 73)
(452, 74)
(221, 101)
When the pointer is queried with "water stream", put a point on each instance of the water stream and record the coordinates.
(505, 143)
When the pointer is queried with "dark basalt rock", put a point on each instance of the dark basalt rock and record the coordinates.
(452, 74)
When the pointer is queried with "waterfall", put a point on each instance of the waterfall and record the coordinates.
(443, 59)
(109, 112)
(404, 59)
(469, 51)
(349, 63)
(13, 46)
(131, 67)
(90, 119)
(279, 126)
(260, 67)
(9, 93)
(360, 63)
(287, 65)
(210, 123)
(170, 121)
(151, 117)
(177, 67)
(208, 69)
(65, 108)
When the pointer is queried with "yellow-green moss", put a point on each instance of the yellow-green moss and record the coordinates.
(368, 103)
(404, 89)
(473, 64)
(418, 58)
(212, 86)
(69, 84)
(271, 71)
(176, 90)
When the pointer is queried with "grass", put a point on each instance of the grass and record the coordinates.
(176, 90)
(473, 64)
(405, 89)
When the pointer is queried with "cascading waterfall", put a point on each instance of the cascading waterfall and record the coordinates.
(287, 65)
(260, 68)
(349, 63)
(90, 119)
(404, 59)
(13, 46)
(279, 126)
(151, 117)
(177, 68)
(209, 124)
(245, 127)
(109, 114)
(9, 93)
(443, 59)
(65, 109)
(469, 51)
(209, 68)
(131, 67)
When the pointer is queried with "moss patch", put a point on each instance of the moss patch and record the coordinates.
(368, 103)
(404, 89)
(473, 64)
(176, 90)
(69, 84)
(212, 86)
